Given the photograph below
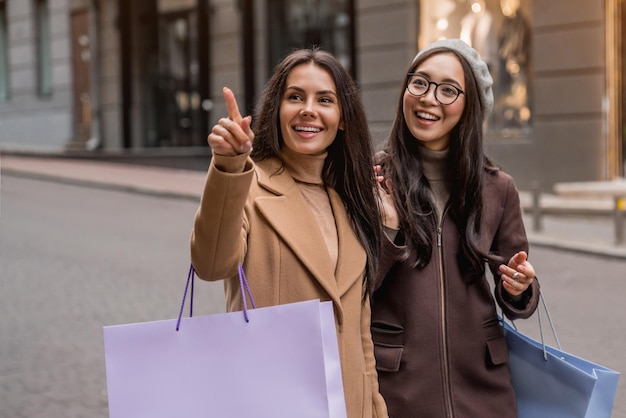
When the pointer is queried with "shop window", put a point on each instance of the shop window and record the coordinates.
(305, 23)
(44, 62)
(4, 52)
(500, 31)
(177, 89)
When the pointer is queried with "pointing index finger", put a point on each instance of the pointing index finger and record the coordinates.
(231, 106)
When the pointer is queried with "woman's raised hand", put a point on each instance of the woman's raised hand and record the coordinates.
(232, 135)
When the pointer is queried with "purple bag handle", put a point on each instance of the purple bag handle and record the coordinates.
(243, 283)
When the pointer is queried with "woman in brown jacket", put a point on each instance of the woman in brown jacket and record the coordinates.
(292, 198)
(439, 347)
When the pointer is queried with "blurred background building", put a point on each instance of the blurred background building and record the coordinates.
(142, 75)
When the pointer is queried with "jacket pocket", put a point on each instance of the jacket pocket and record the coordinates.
(497, 350)
(388, 346)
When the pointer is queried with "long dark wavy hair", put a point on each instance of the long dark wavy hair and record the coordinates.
(348, 167)
(466, 165)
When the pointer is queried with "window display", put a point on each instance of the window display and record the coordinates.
(500, 31)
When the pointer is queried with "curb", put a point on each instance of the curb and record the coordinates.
(577, 247)
(534, 239)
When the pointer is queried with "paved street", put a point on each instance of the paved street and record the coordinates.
(72, 260)
(76, 258)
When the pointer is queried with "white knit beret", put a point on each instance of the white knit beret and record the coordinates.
(479, 67)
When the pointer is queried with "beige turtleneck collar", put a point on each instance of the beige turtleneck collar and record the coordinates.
(304, 168)
(434, 165)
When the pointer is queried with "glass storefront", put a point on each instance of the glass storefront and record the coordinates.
(177, 92)
(306, 23)
(500, 31)
(166, 80)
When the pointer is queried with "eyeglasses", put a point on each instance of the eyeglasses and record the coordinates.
(445, 93)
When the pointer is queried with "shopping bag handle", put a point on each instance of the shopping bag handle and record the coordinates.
(543, 343)
(243, 283)
(556, 338)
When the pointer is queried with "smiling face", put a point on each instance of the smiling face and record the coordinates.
(428, 120)
(310, 113)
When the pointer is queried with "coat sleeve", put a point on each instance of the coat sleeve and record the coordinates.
(511, 238)
(390, 253)
(379, 406)
(218, 238)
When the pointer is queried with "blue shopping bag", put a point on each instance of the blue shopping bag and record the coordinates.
(551, 383)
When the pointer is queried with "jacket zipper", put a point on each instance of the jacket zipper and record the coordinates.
(444, 334)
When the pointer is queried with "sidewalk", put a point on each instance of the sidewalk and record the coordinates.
(152, 180)
(573, 224)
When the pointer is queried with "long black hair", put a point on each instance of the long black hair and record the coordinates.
(348, 167)
(466, 164)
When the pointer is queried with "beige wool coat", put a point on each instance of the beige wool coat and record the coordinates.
(261, 219)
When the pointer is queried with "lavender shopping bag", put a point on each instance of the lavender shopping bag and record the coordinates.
(273, 362)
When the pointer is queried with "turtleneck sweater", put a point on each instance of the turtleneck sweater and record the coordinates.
(306, 170)
(434, 168)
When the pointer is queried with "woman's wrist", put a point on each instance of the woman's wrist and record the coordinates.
(231, 164)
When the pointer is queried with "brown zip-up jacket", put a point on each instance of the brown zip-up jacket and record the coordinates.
(440, 350)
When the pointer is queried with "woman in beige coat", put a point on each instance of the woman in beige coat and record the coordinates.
(292, 198)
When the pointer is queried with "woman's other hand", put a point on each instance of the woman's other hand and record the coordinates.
(518, 275)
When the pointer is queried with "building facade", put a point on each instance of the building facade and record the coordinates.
(117, 75)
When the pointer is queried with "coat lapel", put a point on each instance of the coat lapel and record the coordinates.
(351, 252)
(288, 213)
